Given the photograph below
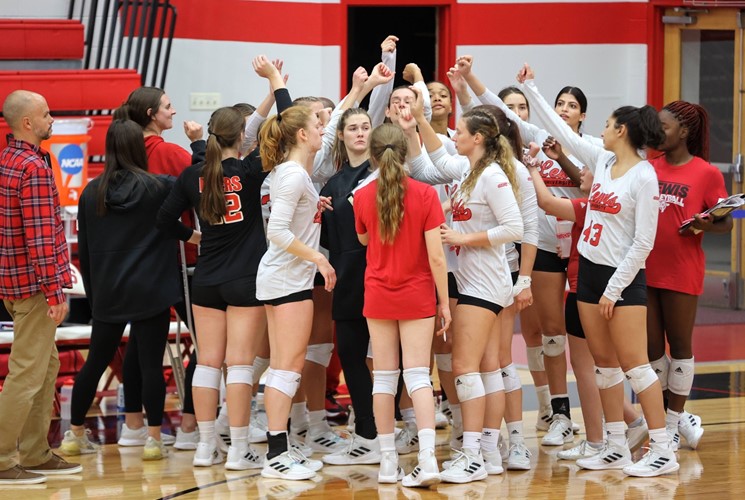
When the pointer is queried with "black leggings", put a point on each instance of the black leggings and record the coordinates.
(187, 402)
(352, 337)
(142, 361)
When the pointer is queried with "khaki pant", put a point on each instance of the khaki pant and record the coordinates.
(28, 392)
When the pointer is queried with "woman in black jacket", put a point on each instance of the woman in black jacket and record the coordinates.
(129, 277)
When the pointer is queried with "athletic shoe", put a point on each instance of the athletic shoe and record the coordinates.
(74, 445)
(441, 420)
(257, 425)
(636, 436)
(426, 473)
(326, 442)
(308, 463)
(334, 410)
(576, 428)
(154, 450)
(492, 462)
(690, 428)
(389, 472)
(19, 475)
(55, 466)
(657, 461)
(138, 437)
(456, 438)
(297, 444)
(358, 451)
(468, 466)
(207, 455)
(407, 440)
(518, 458)
(350, 420)
(223, 442)
(672, 433)
(286, 466)
(243, 459)
(445, 409)
(504, 452)
(186, 440)
(612, 456)
(544, 418)
(582, 450)
(559, 433)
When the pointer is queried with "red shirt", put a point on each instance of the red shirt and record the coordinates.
(33, 251)
(677, 261)
(398, 279)
(171, 159)
(580, 209)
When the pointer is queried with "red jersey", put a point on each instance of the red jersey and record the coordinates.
(398, 279)
(677, 261)
(580, 209)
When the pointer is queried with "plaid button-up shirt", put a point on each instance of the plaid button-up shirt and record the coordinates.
(33, 250)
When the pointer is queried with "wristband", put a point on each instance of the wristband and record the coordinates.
(523, 283)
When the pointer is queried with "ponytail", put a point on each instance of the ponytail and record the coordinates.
(642, 124)
(279, 134)
(388, 149)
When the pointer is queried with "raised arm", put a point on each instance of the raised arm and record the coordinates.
(381, 93)
(413, 75)
(552, 205)
(461, 88)
(553, 150)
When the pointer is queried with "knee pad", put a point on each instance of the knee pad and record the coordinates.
(385, 381)
(284, 381)
(535, 359)
(369, 350)
(417, 378)
(492, 382)
(510, 378)
(240, 374)
(606, 378)
(469, 386)
(207, 377)
(554, 346)
(444, 362)
(680, 377)
(641, 377)
(260, 365)
(319, 354)
(661, 367)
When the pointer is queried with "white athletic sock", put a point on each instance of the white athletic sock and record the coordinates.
(457, 415)
(408, 415)
(239, 437)
(489, 439)
(544, 396)
(672, 418)
(317, 421)
(298, 416)
(426, 439)
(616, 434)
(207, 432)
(515, 431)
(472, 441)
(387, 442)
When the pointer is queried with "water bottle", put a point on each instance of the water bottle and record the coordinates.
(66, 399)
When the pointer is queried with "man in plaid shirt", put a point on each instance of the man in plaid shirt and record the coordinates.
(34, 268)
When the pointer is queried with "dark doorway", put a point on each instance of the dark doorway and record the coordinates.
(416, 28)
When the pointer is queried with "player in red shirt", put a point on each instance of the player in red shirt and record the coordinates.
(675, 267)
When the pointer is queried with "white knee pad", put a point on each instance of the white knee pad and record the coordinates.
(240, 374)
(510, 378)
(680, 377)
(661, 367)
(641, 377)
(369, 350)
(444, 362)
(469, 386)
(554, 346)
(606, 378)
(535, 359)
(207, 377)
(284, 381)
(260, 365)
(319, 354)
(492, 382)
(385, 381)
(417, 378)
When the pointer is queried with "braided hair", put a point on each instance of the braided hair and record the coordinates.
(696, 120)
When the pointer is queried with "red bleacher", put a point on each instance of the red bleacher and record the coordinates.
(24, 39)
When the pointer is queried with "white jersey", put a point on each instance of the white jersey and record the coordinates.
(482, 272)
(621, 221)
(529, 212)
(295, 214)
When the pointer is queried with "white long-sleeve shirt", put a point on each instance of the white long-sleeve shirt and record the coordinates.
(621, 221)
(529, 211)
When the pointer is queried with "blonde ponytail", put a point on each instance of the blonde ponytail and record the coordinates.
(388, 149)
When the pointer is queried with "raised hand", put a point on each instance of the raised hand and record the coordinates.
(193, 130)
(552, 148)
(464, 65)
(457, 81)
(417, 107)
(525, 73)
(264, 67)
(381, 75)
(359, 77)
(412, 73)
(389, 44)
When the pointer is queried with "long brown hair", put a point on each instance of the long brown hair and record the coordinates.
(224, 128)
(279, 134)
(137, 105)
(388, 149)
(339, 151)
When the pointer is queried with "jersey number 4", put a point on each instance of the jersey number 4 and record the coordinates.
(233, 208)
(592, 233)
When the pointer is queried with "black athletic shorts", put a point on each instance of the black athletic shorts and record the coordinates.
(293, 297)
(473, 301)
(571, 317)
(593, 278)
(318, 280)
(239, 293)
(549, 262)
(515, 275)
(452, 287)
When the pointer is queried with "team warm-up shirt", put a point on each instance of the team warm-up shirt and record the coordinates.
(295, 214)
(621, 221)
(529, 211)
(677, 261)
(483, 272)
(232, 249)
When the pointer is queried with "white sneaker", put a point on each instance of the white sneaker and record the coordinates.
(672, 433)
(407, 440)
(445, 409)
(456, 438)
(186, 440)
(74, 445)
(358, 451)
(286, 466)
(426, 473)
(492, 462)
(207, 455)
(308, 463)
(575, 428)
(257, 425)
(655, 462)
(243, 459)
(518, 458)
(611, 456)
(582, 450)
(297, 444)
(154, 450)
(441, 420)
(559, 432)
(544, 418)
(690, 428)
(138, 437)
(390, 472)
(326, 442)
(350, 420)
(467, 466)
(504, 452)
(637, 435)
